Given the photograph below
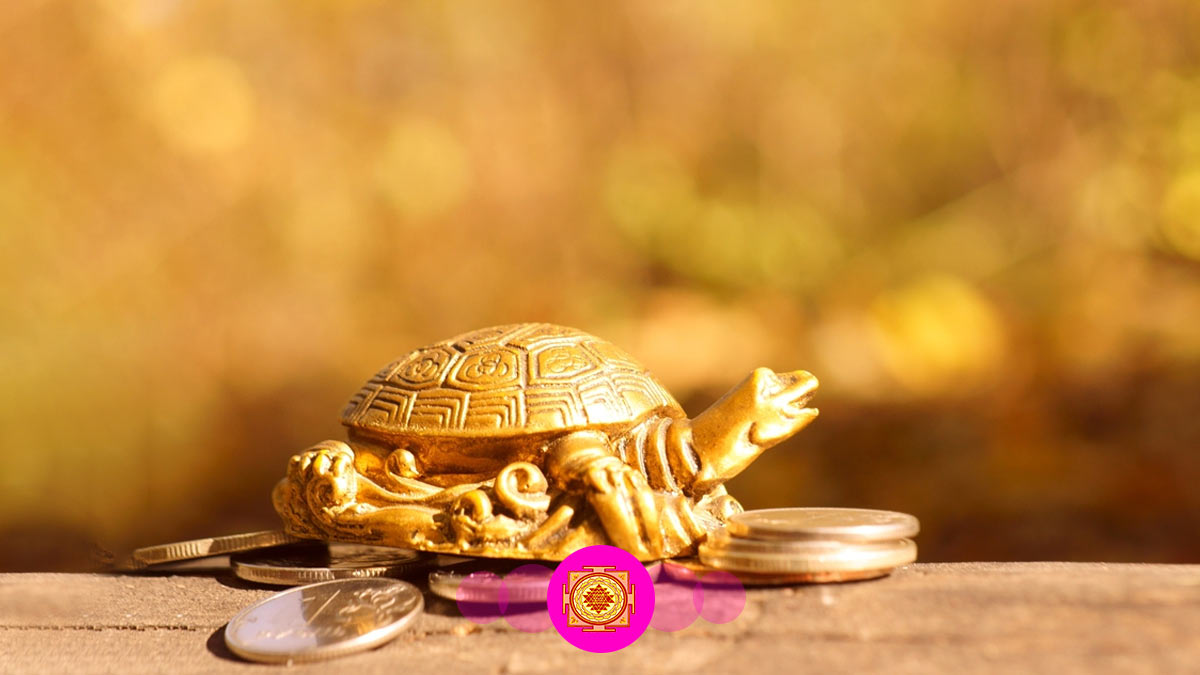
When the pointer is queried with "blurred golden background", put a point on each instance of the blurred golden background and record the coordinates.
(978, 225)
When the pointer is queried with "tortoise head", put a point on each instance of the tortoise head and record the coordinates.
(764, 409)
(776, 404)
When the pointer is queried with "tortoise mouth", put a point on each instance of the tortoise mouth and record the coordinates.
(798, 408)
(793, 391)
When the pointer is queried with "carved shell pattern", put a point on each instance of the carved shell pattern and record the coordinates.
(508, 380)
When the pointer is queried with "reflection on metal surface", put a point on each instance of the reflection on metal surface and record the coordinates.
(203, 548)
(311, 562)
(324, 620)
(837, 524)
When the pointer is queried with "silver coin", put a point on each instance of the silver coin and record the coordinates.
(691, 570)
(324, 621)
(526, 583)
(203, 548)
(309, 563)
(736, 554)
(824, 524)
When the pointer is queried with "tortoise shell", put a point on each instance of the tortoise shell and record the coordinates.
(513, 380)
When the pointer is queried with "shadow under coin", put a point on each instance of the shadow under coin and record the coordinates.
(238, 583)
(439, 606)
(217, 647)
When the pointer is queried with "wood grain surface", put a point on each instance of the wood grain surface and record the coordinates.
(926, 618)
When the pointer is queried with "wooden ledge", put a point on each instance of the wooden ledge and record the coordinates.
(926, 618)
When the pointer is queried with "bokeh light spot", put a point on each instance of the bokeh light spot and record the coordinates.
(1187, 135)
(424, 170)
(937, 334)
(1181, 215)
(203, 104)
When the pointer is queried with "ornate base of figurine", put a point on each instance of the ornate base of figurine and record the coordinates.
(331, 492)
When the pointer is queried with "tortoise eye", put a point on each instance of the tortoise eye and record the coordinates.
(769, 383)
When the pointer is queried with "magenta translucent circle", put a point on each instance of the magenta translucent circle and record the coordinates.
(720, 597)
(675, 605)
(609, 638)
(526, 616)
(482, 597)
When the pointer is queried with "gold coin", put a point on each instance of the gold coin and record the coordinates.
(689, 570)
(325, 620)
(826, 524)
(203, 548)
(735, 554)
(311, 562)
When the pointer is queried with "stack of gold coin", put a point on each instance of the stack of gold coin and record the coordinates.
(812, 544)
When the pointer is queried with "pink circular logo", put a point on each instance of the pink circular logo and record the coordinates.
(600, 599)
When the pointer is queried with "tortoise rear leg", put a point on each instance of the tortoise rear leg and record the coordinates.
(321, 482)
(323, 496)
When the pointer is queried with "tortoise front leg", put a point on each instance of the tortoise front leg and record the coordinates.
(584, 463)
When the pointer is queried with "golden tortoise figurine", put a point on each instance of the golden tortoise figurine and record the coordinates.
(533, 441)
